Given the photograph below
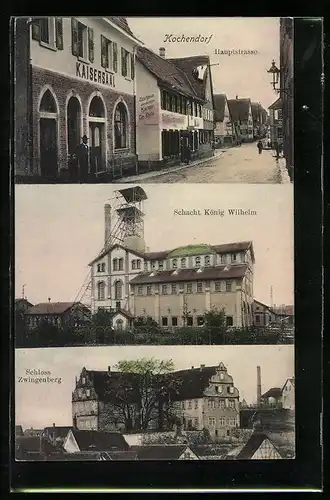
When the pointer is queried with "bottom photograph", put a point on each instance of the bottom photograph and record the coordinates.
(155, 403)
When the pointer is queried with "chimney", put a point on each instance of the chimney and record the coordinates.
(162, 52)
(107, 225)
(258, 385)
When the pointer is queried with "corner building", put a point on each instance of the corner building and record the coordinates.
(74, 77)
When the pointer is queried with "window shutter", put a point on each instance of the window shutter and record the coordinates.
(74, 36)
(115, 57)
(36, 29)
(132, 67)
(59, 33)
(103, 52)
(122, 62)
(91, 44)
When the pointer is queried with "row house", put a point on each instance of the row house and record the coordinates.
(174, 287)
(225, 132)
(201, 398)
(259, 116)
(74, 76)
(241, 113)
(286, 82)
(174, 100)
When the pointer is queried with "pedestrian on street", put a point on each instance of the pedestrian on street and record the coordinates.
(83, 156)
(277, 150)
(187, 153)
(260, 146)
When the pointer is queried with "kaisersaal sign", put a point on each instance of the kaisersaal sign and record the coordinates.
(87, 72)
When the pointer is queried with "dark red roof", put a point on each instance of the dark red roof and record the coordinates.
(219, 106)
(189, 66)
(99, 441)
(166, 72)
(180, 275)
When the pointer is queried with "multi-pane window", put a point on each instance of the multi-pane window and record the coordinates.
(140, 290)
(223, 258)
(118, 290)
(44, 29)
(231, 403)
(222, 421)
(161, 265)
(197, 262)
(228, 286)
(199, 287)
(211, 404)
(108, 49)
(138, 264)
(101, 290)
(229, 321)
(173, 288)
(207, 260)
(217, 286)
(189, 288)
(221, 403)
(115, 264)
(174, 321)
(125, 58)
(212, 421)
(120, 264)
(164, 289)
(82, 40)
(164, 321)
(133, 264)
(190, 321)
(149, 289)
(183, 262)
(121, 125)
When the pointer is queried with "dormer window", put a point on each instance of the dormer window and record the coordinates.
(233, 257)
(183, 262)
(161, 265)
(207, 260)
(197, 261)
(153, 265)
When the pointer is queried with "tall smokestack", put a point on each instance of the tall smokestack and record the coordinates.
(258, 385)
(107, 225)
(162, 52)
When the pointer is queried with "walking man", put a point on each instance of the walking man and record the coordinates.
(260, 146)
(83, 159)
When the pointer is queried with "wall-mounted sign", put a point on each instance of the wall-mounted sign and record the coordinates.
(87, 72)
(147, 110)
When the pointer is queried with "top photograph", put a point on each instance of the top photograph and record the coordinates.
(152, 100)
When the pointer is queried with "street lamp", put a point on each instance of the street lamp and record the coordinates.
(275, 72)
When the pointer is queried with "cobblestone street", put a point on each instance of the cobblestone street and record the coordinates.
(238, 164)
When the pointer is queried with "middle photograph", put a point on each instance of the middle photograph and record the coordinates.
(124, 264)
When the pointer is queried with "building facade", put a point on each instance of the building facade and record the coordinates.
(224, 133)
(241, 113)
(276, 123)
(75, 77)
(288, 394)
(263, 314)
(176, 287)
(60, 314)
(174, 108)
(259, 116)
(286, 82)
(204, 398)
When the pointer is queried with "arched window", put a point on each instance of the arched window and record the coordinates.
(120, 264)
(118, 290)
(121, 124)
(48, 104)
(101, 290)
(73, 124)
(197, 261)
(119, 324)
(96, 107)
(175, 263)
(183, 262)
(207, 260)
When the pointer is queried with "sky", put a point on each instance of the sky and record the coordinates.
(40, 405)
(241, 75)
(60, 229)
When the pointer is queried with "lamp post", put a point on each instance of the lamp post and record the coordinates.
(275, 72)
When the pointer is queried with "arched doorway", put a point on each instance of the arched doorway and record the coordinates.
(119, 325)
(48, 135)
(97, 134)
(73, 124)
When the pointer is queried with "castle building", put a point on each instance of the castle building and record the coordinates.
(74, 76)
(201, 398)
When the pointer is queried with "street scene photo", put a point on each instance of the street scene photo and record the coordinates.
(162, 265)
(155, 403)
(162, 100)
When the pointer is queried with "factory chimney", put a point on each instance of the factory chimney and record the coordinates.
(107, 225)
(258, 386)
(162, 52)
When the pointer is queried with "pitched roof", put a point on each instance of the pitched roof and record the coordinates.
(254, 442)
(122, 23)
(239, 108)
(53, 307)
(33, 432)
(159, 452)
(22, 302)
(292, 380)
(274, 392)
(276, 104)
(166, 73)
(57, 432)
(219, 106)
(189, 66)
(26, 444)
(183, 251)
(99, 441)
(19, 430)
(180, 275)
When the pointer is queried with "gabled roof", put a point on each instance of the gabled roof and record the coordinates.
(239, 108)
(160, 452)
(166, 73)
(99, 441)
(198, 274)
(291, 380)
(189, 66)
(274, 392)
(220, 106)
(58, 432)
(53, 307)
(254, 442)
(122, 23)
(276, 104)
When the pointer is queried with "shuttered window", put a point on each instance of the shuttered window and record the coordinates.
(91, 44)
(132, 67)
(74, 36)
(104, 52)
(115, 58)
